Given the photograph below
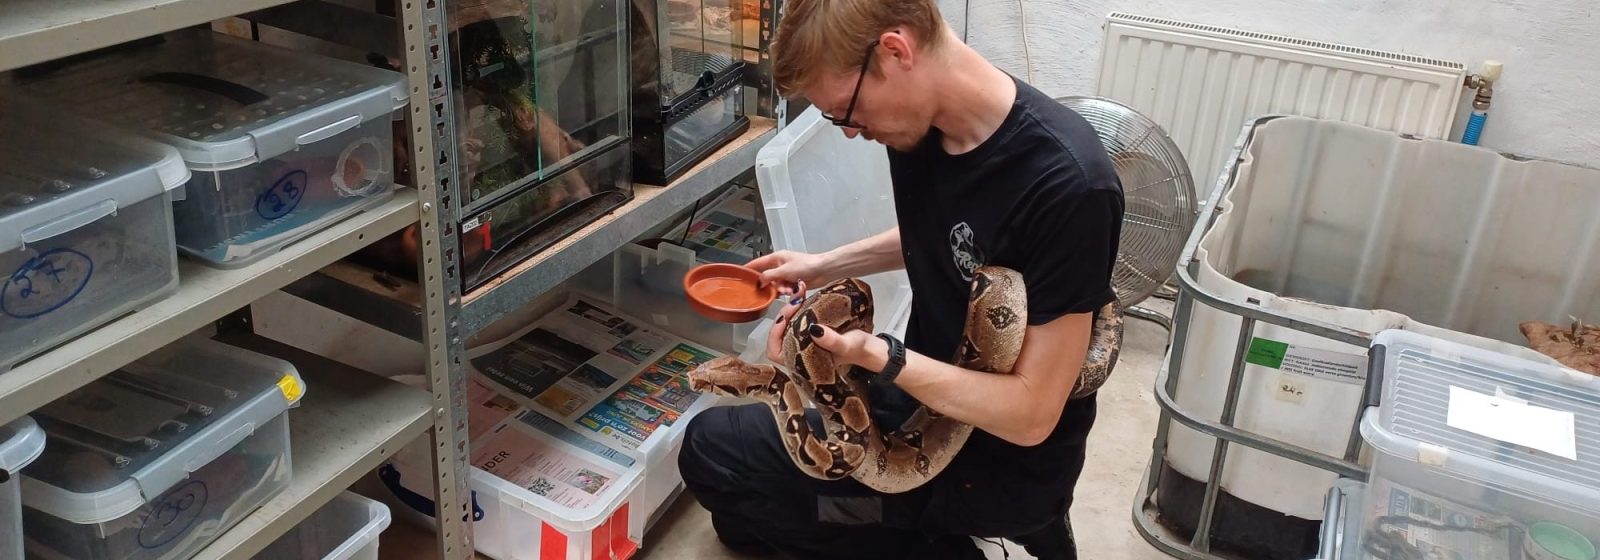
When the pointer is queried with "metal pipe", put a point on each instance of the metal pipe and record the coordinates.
(1484, 83)
(1219, 454)
(1168, 385)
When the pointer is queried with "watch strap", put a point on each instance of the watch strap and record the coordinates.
(897, 358)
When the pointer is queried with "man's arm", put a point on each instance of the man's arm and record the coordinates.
(1021, 408)
(879, 253)
(790, 269)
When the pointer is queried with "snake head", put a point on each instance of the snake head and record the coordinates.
(730, 376)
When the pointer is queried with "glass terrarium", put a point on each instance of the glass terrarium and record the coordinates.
(688, 72)
(540, 90)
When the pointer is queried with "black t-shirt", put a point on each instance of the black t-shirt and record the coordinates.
(1040, 196)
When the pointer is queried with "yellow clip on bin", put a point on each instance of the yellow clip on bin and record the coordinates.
(156, 460)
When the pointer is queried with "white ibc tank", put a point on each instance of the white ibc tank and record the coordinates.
(1369, 230)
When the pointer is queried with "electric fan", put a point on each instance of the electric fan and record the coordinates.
(1158, 195)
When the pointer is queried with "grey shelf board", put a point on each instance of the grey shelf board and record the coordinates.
(348, 422)
(204, 295)
(33, 31)
(393, 304)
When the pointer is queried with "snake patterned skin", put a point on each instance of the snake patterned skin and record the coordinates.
(904, 458)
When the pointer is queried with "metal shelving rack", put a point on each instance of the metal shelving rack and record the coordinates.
(350, 420)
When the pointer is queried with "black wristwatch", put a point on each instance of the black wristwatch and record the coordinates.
(897, 358)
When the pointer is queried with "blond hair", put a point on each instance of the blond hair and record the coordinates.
(816, 36)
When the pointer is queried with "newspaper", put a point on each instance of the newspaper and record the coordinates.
(543, 467)
(729, 232)
(602, 373)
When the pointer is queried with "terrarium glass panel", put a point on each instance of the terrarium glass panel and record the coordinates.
(538, 85)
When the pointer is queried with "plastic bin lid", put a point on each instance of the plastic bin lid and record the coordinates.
(21, 442)
(59, 173)
(223, 102)
(130, 436)
(822, 190)
(1488, 417)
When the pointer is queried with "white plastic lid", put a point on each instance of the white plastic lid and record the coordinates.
(1425, 377)
(21, 442)
(69, 172)
(128, 437)
(822, 190)
(223, 102)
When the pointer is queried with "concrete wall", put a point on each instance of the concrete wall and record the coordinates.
(1547, 103)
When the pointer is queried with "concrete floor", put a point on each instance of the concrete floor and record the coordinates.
(1118, 451)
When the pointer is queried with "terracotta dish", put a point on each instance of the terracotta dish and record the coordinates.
(727, 293)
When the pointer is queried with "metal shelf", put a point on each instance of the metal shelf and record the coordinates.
(204, 295)
(393, 304)
(33, 31)
(348, 423)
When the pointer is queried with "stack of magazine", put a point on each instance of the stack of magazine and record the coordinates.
(563, 407)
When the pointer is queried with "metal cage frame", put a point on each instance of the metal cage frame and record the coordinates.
(1145, 515)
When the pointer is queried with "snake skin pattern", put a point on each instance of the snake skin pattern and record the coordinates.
(896, 460)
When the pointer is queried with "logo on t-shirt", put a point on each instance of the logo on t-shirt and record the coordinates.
(964, 249)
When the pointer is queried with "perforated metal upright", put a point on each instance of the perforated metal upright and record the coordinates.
(433, 141)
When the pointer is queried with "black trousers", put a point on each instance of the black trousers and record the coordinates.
(735, 464)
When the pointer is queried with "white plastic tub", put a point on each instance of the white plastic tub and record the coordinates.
(85, 227)
(282, 144)
(648, 283)
(21, 442)
(1370, 230)
(1462, 440)
(347, 528)
(513, 523)
(822, 190)
(538, 511)
(156, 460)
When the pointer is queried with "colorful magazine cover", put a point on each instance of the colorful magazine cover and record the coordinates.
(653, 399)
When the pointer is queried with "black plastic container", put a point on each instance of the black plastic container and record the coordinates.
(688, 60)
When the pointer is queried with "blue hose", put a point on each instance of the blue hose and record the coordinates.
(1474, 128)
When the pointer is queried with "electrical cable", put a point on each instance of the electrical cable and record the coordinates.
(1027, 57)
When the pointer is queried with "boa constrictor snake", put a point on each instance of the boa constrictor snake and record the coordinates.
(904, 458)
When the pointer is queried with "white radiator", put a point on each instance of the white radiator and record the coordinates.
(1202, 83)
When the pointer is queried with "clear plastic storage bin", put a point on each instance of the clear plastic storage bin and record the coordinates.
(85, 227)
(346, 528)
(1480, 455)
(282, 144)
(154, 461)
(823, 190)
(547, 483)
(648, 283)
(21, 442)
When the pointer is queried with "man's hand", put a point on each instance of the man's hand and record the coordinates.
(775, 336)
(789, 270)
(857, 348)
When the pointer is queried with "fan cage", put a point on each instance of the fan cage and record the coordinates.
(1158, 194)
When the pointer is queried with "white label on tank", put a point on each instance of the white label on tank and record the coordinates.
(1343, 367)
(1545, 429)
(1290, 389)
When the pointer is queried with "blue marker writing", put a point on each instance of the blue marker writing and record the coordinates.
(283, 196)
(45, 283)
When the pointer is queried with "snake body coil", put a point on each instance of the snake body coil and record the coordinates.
(904, 458)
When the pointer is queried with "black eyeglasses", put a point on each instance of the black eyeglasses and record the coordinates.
(851, 109)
